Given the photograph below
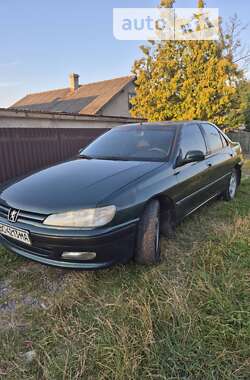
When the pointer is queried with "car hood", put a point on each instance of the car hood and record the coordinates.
(72, 185)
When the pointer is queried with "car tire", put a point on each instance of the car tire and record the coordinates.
(167, 224)
(148, 235)
(232, 186)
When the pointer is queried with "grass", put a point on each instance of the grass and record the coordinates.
(187, 318)
(247, 167)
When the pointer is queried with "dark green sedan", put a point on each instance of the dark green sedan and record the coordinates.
(112, 201)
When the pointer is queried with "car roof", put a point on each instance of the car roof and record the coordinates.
(169, 124)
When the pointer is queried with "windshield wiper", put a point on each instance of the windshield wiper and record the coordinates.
(86, 157)
(112, 158)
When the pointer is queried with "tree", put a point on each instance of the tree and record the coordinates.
(201, 4)
(167, 3)
(179, 80)
(244, 91)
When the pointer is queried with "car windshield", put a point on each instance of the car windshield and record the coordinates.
(137, 143)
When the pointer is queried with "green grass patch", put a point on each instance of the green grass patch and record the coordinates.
(187, 318)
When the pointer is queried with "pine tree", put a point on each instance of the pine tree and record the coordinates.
(184, 80)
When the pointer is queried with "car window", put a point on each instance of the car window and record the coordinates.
(224, 141)
(213, 137)
(192, 139)
(135, 143)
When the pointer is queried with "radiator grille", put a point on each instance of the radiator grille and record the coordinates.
(24, 216)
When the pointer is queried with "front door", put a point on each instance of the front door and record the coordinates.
(193, 178)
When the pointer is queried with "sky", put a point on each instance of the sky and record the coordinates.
(42, 41)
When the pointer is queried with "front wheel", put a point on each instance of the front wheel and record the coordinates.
(148, 235)
(232, 187)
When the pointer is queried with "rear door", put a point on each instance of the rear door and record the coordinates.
(220, 158)
(193, 178)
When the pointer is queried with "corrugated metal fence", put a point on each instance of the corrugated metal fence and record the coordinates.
(23, 150)
(243, 137)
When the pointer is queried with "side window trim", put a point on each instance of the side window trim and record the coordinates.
(209, 151)
(204, 138)
(224, 141)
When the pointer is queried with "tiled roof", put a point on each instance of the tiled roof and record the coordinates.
(87, 99)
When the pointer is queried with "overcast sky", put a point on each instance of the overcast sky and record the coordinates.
(42, 41)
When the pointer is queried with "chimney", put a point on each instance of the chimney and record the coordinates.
(74, 82)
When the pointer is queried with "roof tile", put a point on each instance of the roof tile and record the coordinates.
(87, 99)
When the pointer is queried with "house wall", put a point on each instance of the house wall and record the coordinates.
(33, 140)
(119, 105)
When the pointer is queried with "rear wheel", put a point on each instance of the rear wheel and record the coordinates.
(148, 236)
(232, 186)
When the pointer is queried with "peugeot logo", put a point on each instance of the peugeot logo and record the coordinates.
(13, 215)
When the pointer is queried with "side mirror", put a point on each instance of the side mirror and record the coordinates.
(194, 156)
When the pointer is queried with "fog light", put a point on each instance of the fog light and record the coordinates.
(79, 255)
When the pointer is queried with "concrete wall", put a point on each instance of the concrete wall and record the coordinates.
(33, 119)
(243, 137)
(119, 105)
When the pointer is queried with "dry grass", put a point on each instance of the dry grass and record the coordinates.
(187, 318)
(246, 170)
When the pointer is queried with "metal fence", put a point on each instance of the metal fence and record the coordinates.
(243, 137)
(23, 150)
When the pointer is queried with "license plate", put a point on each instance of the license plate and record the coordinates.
(15, 233)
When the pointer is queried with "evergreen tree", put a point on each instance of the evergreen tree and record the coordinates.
(184, 80)
(244, 91)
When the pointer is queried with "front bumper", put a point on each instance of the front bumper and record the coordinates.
(111, 245)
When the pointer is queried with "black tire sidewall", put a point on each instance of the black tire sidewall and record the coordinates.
(146, 252)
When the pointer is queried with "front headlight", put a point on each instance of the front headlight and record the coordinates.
(94, 217)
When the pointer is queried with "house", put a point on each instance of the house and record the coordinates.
(106, 98)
